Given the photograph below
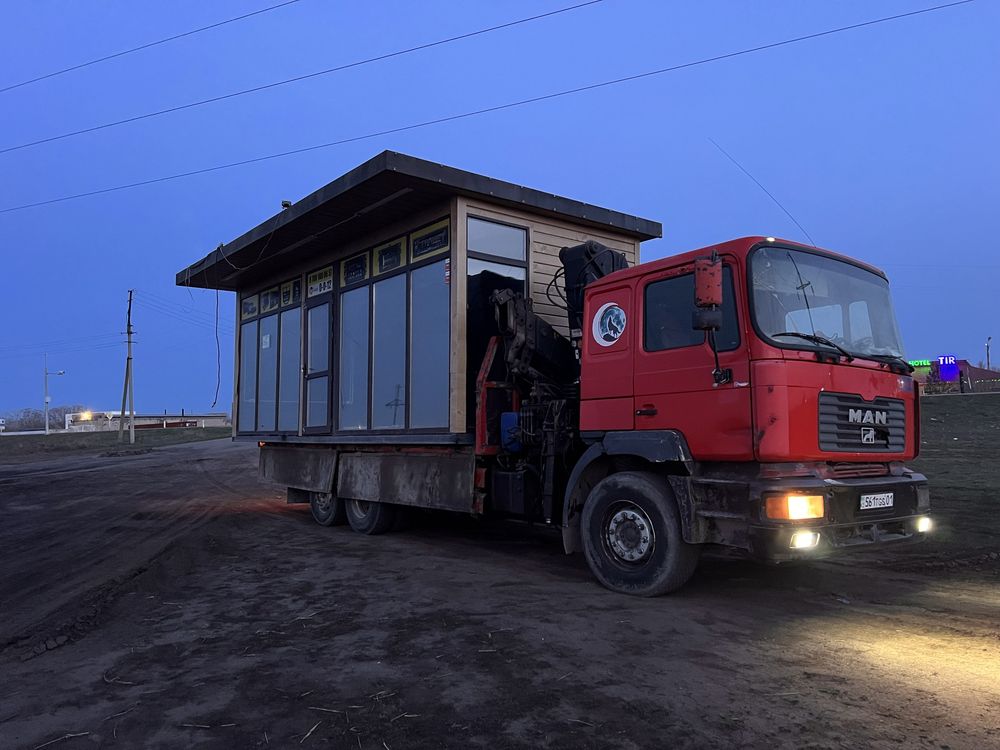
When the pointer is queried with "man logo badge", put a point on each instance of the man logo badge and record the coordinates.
(868, 436)
(867, 416)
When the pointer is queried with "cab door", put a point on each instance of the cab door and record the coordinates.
(673, 384)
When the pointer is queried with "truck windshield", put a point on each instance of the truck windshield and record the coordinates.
(797, 292)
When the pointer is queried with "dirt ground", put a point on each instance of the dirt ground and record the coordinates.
(169, 600)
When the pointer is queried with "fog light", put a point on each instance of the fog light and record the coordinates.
(804, 539)
(794, 507)
(924, 525)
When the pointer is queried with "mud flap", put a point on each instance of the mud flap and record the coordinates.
(298, 466)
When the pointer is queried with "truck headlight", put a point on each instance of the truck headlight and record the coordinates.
(794, 507)
(804, 539)
(924, 525)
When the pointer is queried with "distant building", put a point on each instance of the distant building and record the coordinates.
(949, 374)
(95, 421)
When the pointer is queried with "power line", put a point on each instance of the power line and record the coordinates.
(173, 305)
(58, 343)
(147, 305)
(276, 84)
(74, 350)
(486, 110)
(112, 56)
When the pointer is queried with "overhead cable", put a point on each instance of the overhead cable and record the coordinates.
(485, 110)
(114, 55)
(296, 79)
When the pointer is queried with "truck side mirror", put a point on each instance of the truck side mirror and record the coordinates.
(707, 294)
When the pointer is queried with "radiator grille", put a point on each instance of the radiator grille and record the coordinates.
(849, 423)
(846, 471)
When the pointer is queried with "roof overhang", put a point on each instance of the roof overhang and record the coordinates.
(383, 189)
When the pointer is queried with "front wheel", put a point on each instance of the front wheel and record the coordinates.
(370, 518)
(632, 535)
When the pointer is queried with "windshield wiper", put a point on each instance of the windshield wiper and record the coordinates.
(890, 359)
(818, 340)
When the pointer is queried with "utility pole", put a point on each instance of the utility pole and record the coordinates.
(45, 365)
(128, 390)
(988, 340)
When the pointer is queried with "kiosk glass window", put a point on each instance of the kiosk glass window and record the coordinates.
(248, 377)
(317, 390)
(354, 359)
(288, 370)
(430, 326)
(267, 374)
(496, 239)
(318, 348)
(389, 353)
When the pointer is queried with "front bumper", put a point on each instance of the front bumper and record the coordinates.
(845, 525)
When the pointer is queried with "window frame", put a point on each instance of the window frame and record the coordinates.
(276, 345)
(406, 268)
(299, 384)
(329, 298)
(501, 259)
(679, 273)
(332, 298)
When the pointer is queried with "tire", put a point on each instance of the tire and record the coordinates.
(370, 517)
(327, 510)
(623, 555)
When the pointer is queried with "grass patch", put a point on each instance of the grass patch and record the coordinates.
(33, 446)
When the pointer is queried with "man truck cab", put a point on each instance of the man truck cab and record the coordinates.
(794, 409)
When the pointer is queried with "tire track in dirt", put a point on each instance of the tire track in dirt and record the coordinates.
(57, 586)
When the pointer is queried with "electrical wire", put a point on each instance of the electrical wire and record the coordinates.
(144, 46)
(218, 354)
(296, 79)
(175, 313)
(175, 306)
(145, 304)
(70, 350)
(43, 345)
(486, 110)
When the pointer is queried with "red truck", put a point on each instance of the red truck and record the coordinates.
(416, 336)
(779, 422)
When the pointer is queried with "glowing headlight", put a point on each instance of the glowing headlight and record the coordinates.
(804, 539)
(794, 507)
(924, 524)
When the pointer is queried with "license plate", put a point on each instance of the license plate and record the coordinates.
(881, 500)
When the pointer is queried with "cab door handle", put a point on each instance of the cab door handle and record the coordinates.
(649, 411)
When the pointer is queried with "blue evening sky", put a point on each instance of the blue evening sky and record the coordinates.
(882, 142)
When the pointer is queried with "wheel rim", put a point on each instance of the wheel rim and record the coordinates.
(323, 503)
(361, 507)
(628, 534)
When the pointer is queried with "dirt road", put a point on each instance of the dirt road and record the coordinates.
(168, 600)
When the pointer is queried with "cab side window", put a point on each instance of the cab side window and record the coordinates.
(669, 306)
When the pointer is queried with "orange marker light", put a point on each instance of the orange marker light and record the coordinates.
(794, 507)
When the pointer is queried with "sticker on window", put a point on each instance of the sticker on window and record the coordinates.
(609, 324)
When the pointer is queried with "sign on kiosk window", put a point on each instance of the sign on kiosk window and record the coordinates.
(319, 282)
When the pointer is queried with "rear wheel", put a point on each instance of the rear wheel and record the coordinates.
(369, 517)
(327, 510)
(632, 535)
